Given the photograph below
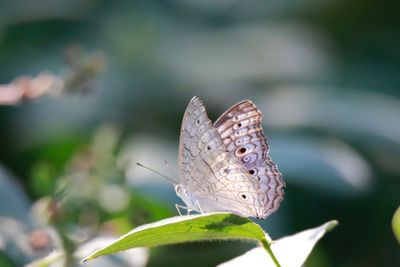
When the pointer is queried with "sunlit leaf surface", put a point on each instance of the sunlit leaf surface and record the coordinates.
(291, 251)
(221, 226)
(133, 258)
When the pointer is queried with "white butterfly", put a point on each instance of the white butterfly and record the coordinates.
(225, 166)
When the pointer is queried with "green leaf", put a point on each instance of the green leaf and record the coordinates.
(181, 229)
(396, 224)
(292, 251)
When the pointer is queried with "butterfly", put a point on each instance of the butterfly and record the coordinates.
(225, 166)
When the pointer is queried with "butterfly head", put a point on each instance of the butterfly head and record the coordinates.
(186, 196)
(179, 190)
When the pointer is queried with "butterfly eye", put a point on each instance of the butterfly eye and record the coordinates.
(227, 171)
(208, 147)
(252, 172)
(239, 125)
(198, 122)
(178, 189)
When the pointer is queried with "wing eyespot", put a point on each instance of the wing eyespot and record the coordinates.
(240, 151)
(243, 196)
(239, 141)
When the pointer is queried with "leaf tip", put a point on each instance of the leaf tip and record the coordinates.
(88, 258)
(331, 224)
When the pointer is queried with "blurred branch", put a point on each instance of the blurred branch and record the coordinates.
(83, 69)
(25, 87)
(80, 78)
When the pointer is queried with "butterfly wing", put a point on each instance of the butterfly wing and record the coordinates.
(214, 180)
(198, 141)
(242, 134)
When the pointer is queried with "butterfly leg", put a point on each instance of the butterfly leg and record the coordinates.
(179, 207)
(198, 205)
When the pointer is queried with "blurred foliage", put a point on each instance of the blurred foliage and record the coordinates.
(396, 224)
(324, 73)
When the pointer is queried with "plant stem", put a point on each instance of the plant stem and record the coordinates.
(267, 246)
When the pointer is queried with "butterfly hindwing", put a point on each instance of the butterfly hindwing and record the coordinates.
(241, 131)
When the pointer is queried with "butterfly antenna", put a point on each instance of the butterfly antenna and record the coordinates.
(159, 173)
(169, 167)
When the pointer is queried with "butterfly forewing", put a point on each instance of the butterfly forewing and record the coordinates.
(241, 132)
(198, 138)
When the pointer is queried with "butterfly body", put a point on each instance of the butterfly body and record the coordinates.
(225, 166)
